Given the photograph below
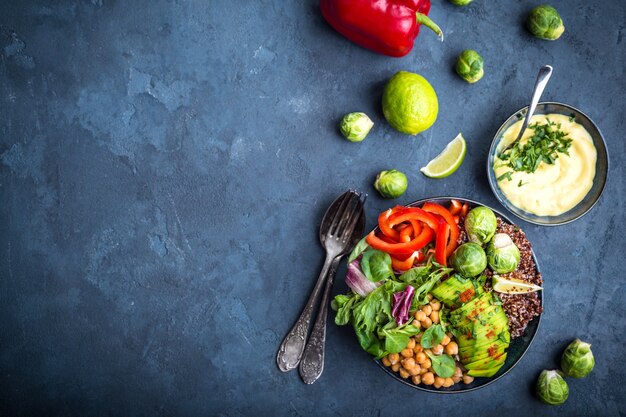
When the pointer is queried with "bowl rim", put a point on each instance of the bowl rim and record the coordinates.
(532, 337)
(506, 204)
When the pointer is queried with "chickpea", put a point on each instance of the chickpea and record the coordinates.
(427, 322)
(411, 344)
(417, 379)
(436, 305)
(434, 317)
(427, 309)
(468, 379)
(424, 370)
(448, 382)
(457, 379)
(420, 315)
(418, 338)
(386, 362)
(458, 372)
(414, 371)
(445, 340)
(393, 358)
(429, 296)
(427, 364)
(452, 348)
(418, 348)
(408, 363)
(437, 350)
(439, 382)
(403, 373)
(421, 358)
(396, 367)
(407, 353)
(416, 323)
(428, 378)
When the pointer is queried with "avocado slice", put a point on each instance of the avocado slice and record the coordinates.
(488, 372)
(456, 291)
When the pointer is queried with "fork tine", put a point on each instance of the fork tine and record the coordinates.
(355, 215)
(347, 197)
(346, 215)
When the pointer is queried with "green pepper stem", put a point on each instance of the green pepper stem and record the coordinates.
(422, 19)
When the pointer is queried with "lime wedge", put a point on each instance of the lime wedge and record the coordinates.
(448, 161)
(512, 286)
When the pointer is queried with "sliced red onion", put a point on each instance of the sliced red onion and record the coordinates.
(357, 281)
(402, 304)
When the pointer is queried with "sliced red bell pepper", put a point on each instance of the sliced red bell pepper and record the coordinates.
(406, 248)
(412, 213)
(465, 210)
(402, 265)
(455, 207)
(406, 234)
(382, 223)
(449, 218)
(443, 234)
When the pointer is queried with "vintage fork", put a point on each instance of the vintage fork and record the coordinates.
(341, 228)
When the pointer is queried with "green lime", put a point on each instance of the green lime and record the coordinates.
(448, 161)
(410, 103)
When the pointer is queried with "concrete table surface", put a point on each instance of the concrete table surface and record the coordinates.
(164, 166)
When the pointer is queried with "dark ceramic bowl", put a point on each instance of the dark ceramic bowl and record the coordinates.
(599, 181)
(517, 348)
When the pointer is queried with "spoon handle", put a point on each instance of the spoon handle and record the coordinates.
(312, 363)
(290, 351)
(542, 80)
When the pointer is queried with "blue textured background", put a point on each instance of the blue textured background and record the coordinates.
(164, 165)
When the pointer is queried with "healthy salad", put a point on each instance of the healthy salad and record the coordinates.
(438, 292)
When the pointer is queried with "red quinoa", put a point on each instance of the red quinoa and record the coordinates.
(519, 308)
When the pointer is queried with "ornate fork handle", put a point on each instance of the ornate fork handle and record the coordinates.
(290, 351)
(312, 363)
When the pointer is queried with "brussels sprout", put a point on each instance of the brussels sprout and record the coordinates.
(552, 388)
(545, 23)
(355, 126)
(391, 184)
(480, 225)
(577, 360)
(469, 66)
(469, 259)
(461, 2)
(502, 254)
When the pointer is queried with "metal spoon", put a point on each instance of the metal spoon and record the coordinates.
(341, 228)
(542, 80)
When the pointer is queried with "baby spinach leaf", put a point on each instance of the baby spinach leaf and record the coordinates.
(376, 265)
(432, 336)
(360, 247)
(443, 365)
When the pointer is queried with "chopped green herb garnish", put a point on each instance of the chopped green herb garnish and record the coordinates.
(572, 117)
(506, 175)
(545, 145)
(520, 183)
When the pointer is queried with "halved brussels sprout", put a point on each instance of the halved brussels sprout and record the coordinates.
(469, 259)
(391, 184)
(480, 225)
(469, 66)
(355, 126)
(502, 254)
(545, 23)
(552, 388)
(577, 360)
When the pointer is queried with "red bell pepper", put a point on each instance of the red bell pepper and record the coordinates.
(454, 227)
(402, 265)
(406, 214)
(443, 233)
(382, 223)
(388, 27)
(406, 248)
